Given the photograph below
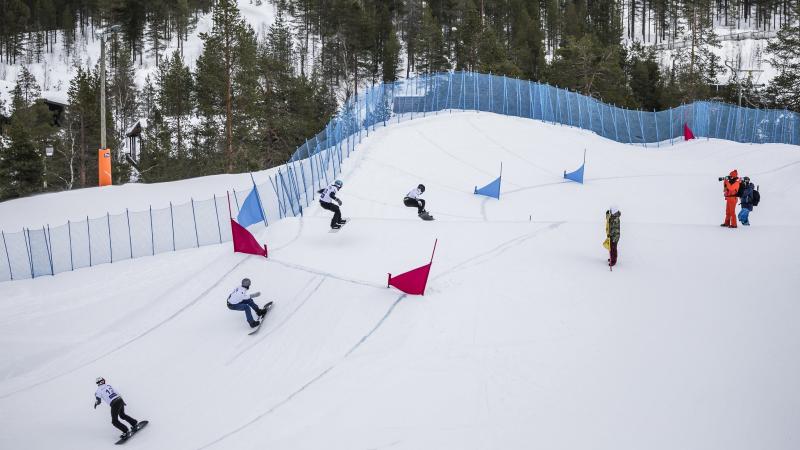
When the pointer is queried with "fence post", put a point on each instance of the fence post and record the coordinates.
(589, 113)
(505, 98)
(613, 110)
(172, 224)
(194, 219)
(491, 92)
(450, 91)
(463, 90)
(130, 239)
(152, 232)
(655, 118)
(110, 248)
(569, 109)
(558, 106)
(27, 236)
(216, 215)
(628, 125)
(580, 113)
(69, 234)
(89, 235)
(602, 122)
(8, 258)
(48, 243)
(530, 99)
(641, 126)
(671, 126)
(476, 98)
(542, 102)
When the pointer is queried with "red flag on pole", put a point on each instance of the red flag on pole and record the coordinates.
(414, 281)
(687, 132)
(243, 241)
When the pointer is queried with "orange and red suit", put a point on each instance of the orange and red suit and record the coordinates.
(729, 188)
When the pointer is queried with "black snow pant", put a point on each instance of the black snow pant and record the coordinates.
(117, 411)
(612, 260)
(415, 203)
(337, 213)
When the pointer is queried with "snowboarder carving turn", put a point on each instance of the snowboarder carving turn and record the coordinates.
(413, 200)
(107, 394)
(327, 199)
(241, 300)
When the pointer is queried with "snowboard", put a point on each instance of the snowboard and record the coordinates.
(336, 230)
(139, 426)
(268, 306)
(426, 216)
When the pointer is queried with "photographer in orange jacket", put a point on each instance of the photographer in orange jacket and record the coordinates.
(730, 188)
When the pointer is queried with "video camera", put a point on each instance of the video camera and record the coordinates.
(729, 178)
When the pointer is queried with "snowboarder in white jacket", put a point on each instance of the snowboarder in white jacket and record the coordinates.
(107, 394)
(413, 200)
(241, 300)
(327, 199)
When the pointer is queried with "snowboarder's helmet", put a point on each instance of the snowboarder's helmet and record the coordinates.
(246, 283)
(421, 188)
(100, 380)
(338, 183)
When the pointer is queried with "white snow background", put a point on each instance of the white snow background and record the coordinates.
(524, 339)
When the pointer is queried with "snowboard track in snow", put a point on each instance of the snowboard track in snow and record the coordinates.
(199, 297)
(471, 261)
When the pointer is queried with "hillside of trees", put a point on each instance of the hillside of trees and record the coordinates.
(253, 97)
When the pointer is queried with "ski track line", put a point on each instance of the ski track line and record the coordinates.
(403, 207)
(441, 149)
(498, 250)
(506, 149)
(284, 321)
(475, 260)
(136, 338)
(311, 381)
(324, 274)
(413, 176)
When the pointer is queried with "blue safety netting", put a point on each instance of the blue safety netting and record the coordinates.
(46, 250)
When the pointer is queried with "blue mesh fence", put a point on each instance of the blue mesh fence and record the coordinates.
(318, 162)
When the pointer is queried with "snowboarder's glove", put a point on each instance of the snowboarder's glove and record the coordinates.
(339, 202)
(255, 294)
(97, 402)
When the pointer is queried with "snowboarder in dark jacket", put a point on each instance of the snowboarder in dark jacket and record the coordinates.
(612, 225)
(746, 193)
(327, 199)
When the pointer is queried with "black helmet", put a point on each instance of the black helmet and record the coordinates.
(421, 188)
(100, 381)
(246, 283)
(746, 179)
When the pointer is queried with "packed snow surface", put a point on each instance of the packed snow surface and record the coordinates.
(524, 339)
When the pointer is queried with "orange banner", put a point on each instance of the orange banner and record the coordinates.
(104, 166)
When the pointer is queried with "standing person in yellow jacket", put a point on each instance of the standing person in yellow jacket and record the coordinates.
(612, 234)
(730, 189)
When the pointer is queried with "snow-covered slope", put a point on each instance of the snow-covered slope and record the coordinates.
(524, 339)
